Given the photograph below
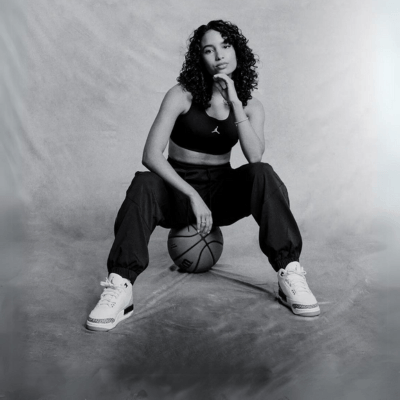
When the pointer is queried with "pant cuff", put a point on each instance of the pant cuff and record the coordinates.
(125, 273)
(278, 264)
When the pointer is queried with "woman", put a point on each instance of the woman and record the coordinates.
(202, 118)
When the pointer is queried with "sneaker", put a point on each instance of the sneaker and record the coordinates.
(115, 304)
(294, 291)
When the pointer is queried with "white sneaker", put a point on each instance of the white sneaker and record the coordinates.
(115, 304)
(294, 291)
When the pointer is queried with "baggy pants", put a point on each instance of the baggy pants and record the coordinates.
(231, 194)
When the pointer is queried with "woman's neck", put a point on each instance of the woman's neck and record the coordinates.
(217, 97)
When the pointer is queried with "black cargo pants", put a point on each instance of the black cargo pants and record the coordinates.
(231, 194)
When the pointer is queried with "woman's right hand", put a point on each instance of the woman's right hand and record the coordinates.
(202, 213)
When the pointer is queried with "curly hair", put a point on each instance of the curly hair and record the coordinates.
(195, 79)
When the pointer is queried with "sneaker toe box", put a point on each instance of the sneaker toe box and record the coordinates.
(102, 313)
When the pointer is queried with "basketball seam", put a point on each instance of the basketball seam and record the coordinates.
(190, 248)
(198, 259)
(209, 249)
(201, 252)
(182, 236)
(216, 241)
(212, 255)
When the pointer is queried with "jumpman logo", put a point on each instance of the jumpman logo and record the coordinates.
(215, 130)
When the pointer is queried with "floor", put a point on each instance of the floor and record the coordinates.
(220, 335)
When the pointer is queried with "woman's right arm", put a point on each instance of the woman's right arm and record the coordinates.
(175, 103)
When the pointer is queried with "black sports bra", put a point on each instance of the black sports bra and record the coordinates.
(197, 131)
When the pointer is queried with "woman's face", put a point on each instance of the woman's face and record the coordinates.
(219, 56)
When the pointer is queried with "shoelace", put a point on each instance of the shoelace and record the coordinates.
(298, 280)
(110, 293)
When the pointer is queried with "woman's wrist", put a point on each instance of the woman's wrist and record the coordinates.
(235, 104)
(192, 194)
(242, 120)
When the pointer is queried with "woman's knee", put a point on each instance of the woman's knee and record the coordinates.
(266, 173)
(261, 168)
(145, 182)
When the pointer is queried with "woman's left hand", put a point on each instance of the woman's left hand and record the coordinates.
(226, 87)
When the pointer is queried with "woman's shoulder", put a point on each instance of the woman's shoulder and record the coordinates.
(177, 96)
(254, 106)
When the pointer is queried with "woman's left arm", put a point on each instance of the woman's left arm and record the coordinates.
(249, 120)
(251, 130)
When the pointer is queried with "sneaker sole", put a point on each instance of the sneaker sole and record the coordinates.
(303, 310)
(97, 325)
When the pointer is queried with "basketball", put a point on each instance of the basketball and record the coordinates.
(192, 252)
